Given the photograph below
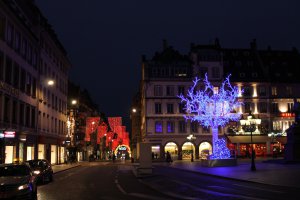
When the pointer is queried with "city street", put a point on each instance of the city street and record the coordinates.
(107, 180)
(97, 180)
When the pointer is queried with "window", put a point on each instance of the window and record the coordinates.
(14, 111)
(274, 107)
(194, 127)
(216, 90)
(158, 127)
(247, 106)
(290, 107)
(170, 108)
(262, 91)
(21, 121)
(274, 91)
(8, 71)
(289, 90)
(181, 90)
(170, 126)
(205, 129)
(215, 72)
(157, 108)
(202, 71)
(247, 91)
(181, 108)
(170, 90)
(158, 90)
(262, 107)
(182, 126)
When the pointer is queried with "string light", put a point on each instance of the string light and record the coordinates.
(212, 108)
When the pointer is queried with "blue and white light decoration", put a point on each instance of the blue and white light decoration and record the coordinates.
(213, 108)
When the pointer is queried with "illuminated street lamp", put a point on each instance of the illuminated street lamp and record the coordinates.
(191, 138)
(250, 125)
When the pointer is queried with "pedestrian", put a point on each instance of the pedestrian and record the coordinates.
(169, 159)
(114, 158)
(152, 155)
(156, 156)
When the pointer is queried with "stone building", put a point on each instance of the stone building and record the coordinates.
(267, 77)
(34, 70)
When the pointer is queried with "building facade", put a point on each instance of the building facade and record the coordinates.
(268, 79)
(32, 109)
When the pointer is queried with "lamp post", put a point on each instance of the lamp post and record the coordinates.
(191, 138)
(250, 125)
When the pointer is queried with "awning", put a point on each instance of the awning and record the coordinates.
(246, 139)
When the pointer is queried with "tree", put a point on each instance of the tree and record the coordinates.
(212, 107)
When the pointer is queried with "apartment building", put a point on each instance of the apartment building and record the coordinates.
(33, 85)
(268, 79)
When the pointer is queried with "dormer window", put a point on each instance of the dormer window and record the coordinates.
(254, 75)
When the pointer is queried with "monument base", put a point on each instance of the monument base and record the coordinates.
(218, 162)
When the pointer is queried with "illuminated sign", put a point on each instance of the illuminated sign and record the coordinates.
(122, 148)
(287, 114)
(1, 135)
(9, 134)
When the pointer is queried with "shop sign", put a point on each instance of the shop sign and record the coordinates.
(9, 134)
(122, 148)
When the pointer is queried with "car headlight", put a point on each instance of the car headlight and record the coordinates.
(36, 172)
(23, 187)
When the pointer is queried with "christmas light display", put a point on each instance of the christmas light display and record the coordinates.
(212, 107)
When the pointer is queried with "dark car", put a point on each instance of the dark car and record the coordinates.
(42, 170)
(17, 181)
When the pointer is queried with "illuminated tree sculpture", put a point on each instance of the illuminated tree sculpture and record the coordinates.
(212, 107)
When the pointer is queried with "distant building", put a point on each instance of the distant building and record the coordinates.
(267, 77)
(32, 110)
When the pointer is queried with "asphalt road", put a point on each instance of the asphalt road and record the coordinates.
(190, 185)
(116, 181)
(95, 181)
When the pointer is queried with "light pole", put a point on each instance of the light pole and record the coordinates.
(191, 138)
(250, 125)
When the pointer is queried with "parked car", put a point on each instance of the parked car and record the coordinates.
(42, 170)
(17, 181)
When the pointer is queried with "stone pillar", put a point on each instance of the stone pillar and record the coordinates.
(268, 146)
(179, 152)
(197, 151)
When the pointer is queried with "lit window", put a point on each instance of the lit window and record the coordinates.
(170, 127)
(274, 91)
(158, 127)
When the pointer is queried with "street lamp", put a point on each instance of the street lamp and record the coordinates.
(250, 125)
(191, 138)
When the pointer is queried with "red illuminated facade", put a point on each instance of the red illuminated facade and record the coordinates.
(110, 136)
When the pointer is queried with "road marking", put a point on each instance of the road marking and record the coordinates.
(214, 192)
(257, 188)
(145, 196)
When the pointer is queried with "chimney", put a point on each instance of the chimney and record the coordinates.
(253, 44)
(165, 44)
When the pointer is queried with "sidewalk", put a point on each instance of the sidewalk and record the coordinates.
(64, 167)
(268, 171)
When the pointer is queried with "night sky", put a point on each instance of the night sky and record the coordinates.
(106, 39)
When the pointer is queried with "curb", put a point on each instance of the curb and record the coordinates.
(66, 169)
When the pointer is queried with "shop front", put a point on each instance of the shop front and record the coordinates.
(263, 145)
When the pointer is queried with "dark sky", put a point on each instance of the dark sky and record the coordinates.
(105, 39)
